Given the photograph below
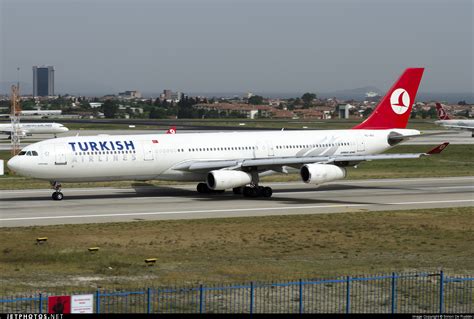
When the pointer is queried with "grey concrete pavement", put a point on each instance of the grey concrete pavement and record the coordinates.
(96, 205)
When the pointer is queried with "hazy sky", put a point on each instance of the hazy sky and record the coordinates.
(225, 45)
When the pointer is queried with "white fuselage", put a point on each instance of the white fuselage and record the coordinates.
(36, 128)
(154, 156)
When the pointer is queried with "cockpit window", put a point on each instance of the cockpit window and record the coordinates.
(28, 153)
(34, 153)
(21, 153)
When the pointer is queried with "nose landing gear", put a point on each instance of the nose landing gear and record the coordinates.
(57, 195)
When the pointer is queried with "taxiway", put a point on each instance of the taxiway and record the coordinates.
(95, 205)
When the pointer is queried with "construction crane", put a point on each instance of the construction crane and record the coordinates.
(15, 119)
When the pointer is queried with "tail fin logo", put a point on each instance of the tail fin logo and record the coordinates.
(442, 115)
(400, 101)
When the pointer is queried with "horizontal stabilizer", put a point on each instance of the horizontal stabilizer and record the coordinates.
(438, 149)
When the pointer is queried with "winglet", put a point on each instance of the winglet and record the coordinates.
(438, 149)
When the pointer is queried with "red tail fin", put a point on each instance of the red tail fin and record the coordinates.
(171, 130)
(438, 149)
(442, 115)
(394, 109)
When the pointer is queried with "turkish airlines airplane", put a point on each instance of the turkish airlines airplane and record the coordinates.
(446, 121)
(228, 160)
(28, 129)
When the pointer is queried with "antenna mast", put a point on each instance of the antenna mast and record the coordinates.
(15, 118)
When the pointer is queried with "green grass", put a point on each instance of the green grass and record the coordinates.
(236, 249)
(456, 160)
(111, 126)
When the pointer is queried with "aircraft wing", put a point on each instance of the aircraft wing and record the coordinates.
(463, 127)
(274, 162)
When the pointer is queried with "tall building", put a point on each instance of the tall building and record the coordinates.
(43, 80)
(167, 94)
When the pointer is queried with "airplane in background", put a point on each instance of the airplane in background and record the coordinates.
(28, 129)
(446, 121)
(228, 160)
(35, 113)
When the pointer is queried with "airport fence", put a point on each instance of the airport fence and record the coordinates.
(389, 293)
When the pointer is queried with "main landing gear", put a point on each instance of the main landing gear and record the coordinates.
(254, 191)
(57, 195)
(247, 191)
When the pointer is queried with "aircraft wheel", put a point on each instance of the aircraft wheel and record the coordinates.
(58, 196)
(247, 191)
(237, 190)
(267, 192)
(202, 188)
(251, 191)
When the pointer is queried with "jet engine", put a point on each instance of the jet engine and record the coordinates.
(222, 179)
(321, 173)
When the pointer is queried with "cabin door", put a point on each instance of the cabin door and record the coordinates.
(60, 154)
(147, 150)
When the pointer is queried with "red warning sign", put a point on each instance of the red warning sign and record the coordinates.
(59, 304)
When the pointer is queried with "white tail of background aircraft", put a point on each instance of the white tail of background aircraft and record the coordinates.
(446, 121)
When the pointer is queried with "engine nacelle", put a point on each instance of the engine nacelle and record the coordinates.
(321, 173)
(220, 180)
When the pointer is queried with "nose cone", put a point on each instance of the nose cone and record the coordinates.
(14, 163)
(64, 129)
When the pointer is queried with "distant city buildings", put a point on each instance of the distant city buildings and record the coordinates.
(343, 110)
(43, 81)
(170, 96)
(134, 94)
(166, 95)
(95, 105)
(242, 110)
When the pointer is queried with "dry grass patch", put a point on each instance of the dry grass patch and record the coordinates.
(237, 249)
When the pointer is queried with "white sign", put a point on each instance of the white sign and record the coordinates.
(82, 304)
